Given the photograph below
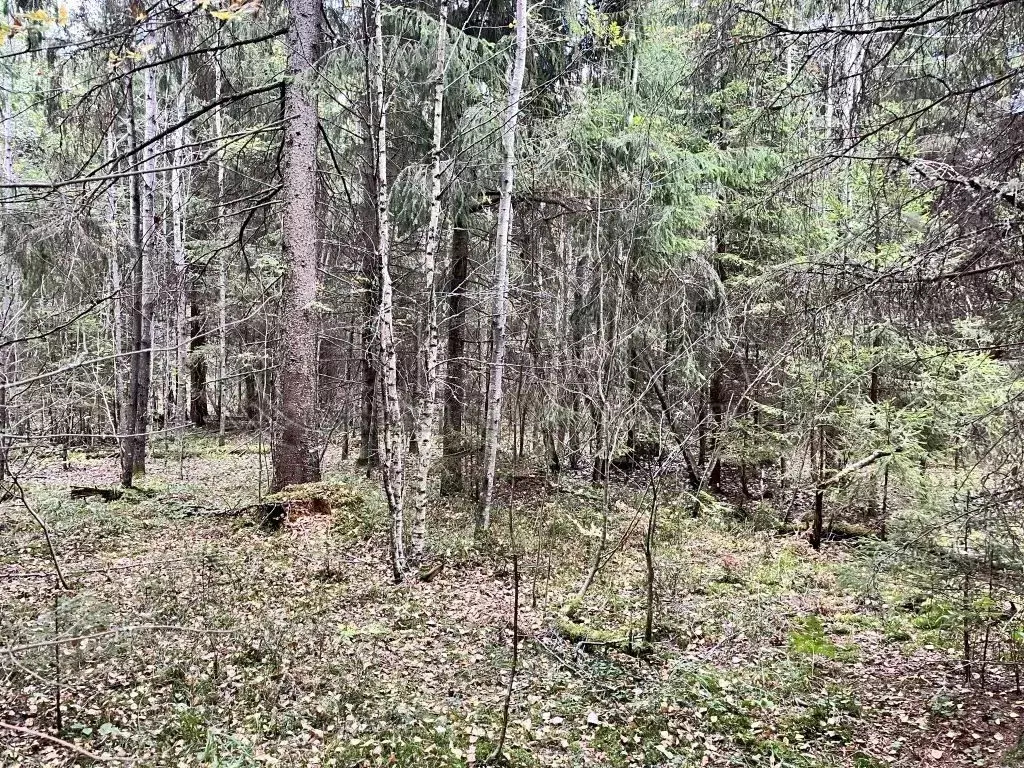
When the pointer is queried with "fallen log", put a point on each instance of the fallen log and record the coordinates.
(88, 492)
(585, 636)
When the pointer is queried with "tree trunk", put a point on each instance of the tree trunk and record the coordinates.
(295, 461)
(455, 398)
(492, 422)
(222, 258)
(393, 440)
(428, 398)
(198, 407)
(715, 406)
(181, 271)
(9, 288)
(369, 453)
(136, 417)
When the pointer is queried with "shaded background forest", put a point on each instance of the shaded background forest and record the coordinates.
(766, 242)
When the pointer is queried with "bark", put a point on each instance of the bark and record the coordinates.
(499, 316)
(295, 461)
(9, 289)
(117, 313)
(136, 416)
(198, 406)
(715, 406)
(393, 442)
(369, 454)
(455, 398)
(222, 262)
(181, 271)
(428, 398)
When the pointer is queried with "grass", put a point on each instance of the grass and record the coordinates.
(765, 653)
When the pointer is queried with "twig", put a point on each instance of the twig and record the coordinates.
(115, 631)
(60, 742)
(20, 495)
(497, 755)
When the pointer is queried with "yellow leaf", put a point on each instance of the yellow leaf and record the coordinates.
(40, 17)
(62, 15)
(222, 15)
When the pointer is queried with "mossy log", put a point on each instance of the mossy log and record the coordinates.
(584, 636)
(837, 531)
(87, 492)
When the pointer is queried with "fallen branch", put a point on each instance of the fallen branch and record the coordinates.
(849, 469)
(60, 742)
(19, 494)
(115, 631)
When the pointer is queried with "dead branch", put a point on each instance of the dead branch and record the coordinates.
(59, 742)
(115, 631)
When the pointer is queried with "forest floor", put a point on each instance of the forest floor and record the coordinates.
(239, 647)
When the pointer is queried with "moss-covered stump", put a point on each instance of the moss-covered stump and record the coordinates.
(308, 499)
(334, 494)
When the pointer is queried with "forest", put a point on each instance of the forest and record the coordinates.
(528, 383)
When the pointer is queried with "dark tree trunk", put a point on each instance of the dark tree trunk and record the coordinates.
(715, 406)
(135, 400)
(455, 391)
(295, 460)
(198, 410)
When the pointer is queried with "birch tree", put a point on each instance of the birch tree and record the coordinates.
(392, 435)
(179, 195)
(499, 314)
(428, 397)
(8, 271)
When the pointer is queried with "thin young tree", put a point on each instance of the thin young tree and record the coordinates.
(392, 436)
(499, 313)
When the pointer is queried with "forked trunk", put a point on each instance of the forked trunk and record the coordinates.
(428, 398)
(136, 415)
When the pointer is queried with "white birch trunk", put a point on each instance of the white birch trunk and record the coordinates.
(492, 427)
(428, 399)
(9, 283)
(181, 275)
(393, 433)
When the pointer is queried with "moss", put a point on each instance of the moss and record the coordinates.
(337, 495)
(579, 633)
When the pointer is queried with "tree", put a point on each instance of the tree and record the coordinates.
(393, 429)
(499, 313)
(427, 405)
(295, 460)
(145, 289)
